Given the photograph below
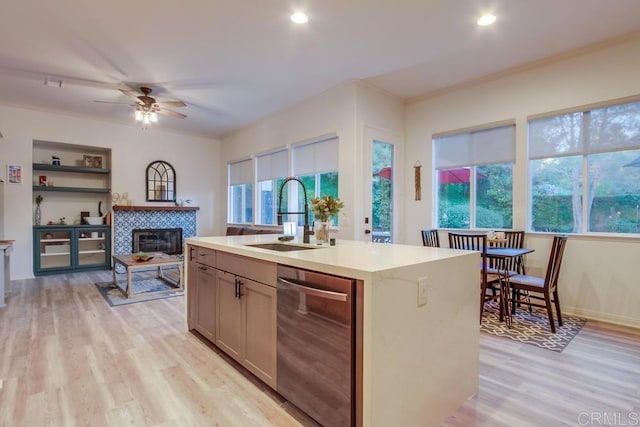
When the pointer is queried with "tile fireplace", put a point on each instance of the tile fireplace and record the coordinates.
(159, 228)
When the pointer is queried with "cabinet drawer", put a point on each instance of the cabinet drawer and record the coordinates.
(251, 268)
(205, 256)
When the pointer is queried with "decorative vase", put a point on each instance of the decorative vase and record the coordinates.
(321, 231)
(38, 217)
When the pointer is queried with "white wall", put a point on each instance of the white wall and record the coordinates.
(195, 160)
(599, 277)
(342, 110)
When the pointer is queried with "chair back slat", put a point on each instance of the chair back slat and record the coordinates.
(513, 239)
(472, 242)
(430, 238)
(555, 261)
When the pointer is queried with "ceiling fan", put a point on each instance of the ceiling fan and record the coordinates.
(147, 107)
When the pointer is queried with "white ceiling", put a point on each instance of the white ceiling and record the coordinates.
(234, 62)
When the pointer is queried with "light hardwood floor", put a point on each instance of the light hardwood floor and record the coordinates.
(68, 358)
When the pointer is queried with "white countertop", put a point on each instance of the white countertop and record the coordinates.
(348, 258)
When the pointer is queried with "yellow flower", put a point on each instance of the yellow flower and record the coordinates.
(325, 207)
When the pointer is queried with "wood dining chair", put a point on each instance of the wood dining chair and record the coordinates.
(542, 288)
(488, 281)
(512, 239)
(430, 238)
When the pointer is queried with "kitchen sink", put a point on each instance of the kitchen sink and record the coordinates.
(281, 247)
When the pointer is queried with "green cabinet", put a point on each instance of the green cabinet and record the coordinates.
(67, 248)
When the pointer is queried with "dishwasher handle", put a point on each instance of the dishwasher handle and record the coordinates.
(336, 296)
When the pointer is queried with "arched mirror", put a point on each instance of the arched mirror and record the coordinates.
(161, 182)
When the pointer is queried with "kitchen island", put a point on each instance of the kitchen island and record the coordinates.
(416, 352)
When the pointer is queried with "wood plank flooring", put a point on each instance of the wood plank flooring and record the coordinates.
(68, 358)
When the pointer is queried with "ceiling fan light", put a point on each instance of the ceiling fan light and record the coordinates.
(138, 115)
(145, 119)
(153, 117)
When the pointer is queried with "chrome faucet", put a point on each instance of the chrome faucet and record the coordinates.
(306, 230)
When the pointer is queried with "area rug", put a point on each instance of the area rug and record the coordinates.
(531, 328)
(114, 296)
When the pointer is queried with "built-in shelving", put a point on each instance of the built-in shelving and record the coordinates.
(63, 168)
(70, 189)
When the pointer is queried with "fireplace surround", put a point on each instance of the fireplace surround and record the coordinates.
(129, 218)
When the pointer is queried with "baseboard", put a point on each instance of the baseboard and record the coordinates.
(632, 322)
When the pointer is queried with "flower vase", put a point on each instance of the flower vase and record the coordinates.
(322, 231)
(38, 216)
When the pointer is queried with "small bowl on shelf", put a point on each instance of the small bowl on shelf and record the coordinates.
(94, 220)
(141, 257)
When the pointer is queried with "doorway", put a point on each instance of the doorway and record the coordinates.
(382, 176)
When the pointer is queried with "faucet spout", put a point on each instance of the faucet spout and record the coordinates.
(307, 230)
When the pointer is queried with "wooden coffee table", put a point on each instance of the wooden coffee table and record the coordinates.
(159, 260)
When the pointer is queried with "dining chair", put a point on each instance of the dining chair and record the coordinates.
(512, 239)
(478, 242)
(542, 288)
(430, 238)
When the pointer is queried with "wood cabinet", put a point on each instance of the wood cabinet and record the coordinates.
(65, 248)
(201, 291)
(246, 317)
(234, 306)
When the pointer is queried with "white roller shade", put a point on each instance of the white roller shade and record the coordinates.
(272, 166)
(316, 157)
(599, 130)
(240, 172)
(487, 146)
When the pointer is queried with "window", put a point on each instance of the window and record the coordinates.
(271, 170)
(240, 193)
(585, 170)
(316, 165)
(475, 178)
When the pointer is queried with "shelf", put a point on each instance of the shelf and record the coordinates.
(76, 169)
(55, 253)
(96, 251)
(54, 240)
(86, 239)
(71, 189)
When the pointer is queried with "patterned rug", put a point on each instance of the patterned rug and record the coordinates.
(114, 296)
(531, 328)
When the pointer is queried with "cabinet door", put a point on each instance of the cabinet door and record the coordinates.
(259, 330)
(205, 321)
(53, 249)
(191, 288)
(229, 320)
(92, 244)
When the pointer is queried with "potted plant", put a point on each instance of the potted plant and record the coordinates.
(324, 209)
(38, 215)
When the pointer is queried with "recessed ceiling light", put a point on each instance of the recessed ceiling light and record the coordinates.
(299, 18)
(487, 19)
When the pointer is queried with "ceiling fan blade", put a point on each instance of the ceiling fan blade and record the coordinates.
(172, 113)
(112, 102)
(131, 94)
(173, 104)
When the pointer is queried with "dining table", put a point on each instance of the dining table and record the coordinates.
(501, 255)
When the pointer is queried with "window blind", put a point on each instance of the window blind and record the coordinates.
(272, 165)
(486, 146)
(606, 129)
(240, 172)
(316, 157)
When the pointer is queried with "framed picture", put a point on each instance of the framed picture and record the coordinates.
(14, 174)
(87, 161)
(43, 180)
(97, 161)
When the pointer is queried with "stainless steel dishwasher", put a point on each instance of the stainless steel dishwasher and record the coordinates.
(316, 344)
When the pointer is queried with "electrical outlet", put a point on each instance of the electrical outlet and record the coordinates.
(422, 291)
